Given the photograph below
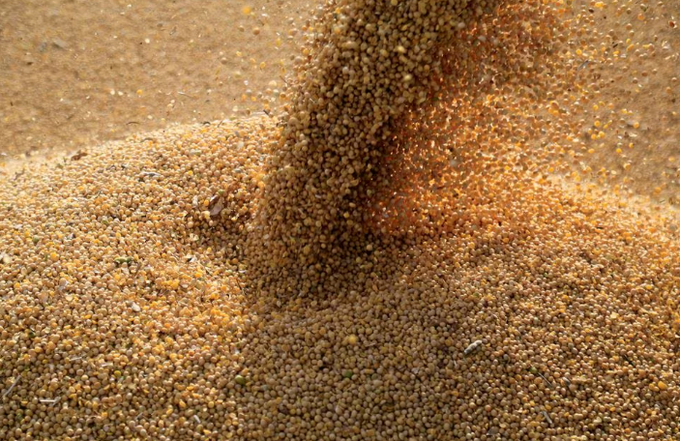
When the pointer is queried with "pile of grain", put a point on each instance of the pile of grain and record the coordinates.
(390, 260)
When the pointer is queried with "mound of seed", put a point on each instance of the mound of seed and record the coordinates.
(120, 305)
(160, 288)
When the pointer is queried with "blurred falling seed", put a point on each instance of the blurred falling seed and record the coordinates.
(583, 65)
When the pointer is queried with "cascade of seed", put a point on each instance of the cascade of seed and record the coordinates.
(366, 63)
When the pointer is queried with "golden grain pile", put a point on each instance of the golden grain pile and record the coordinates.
(395, 258)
